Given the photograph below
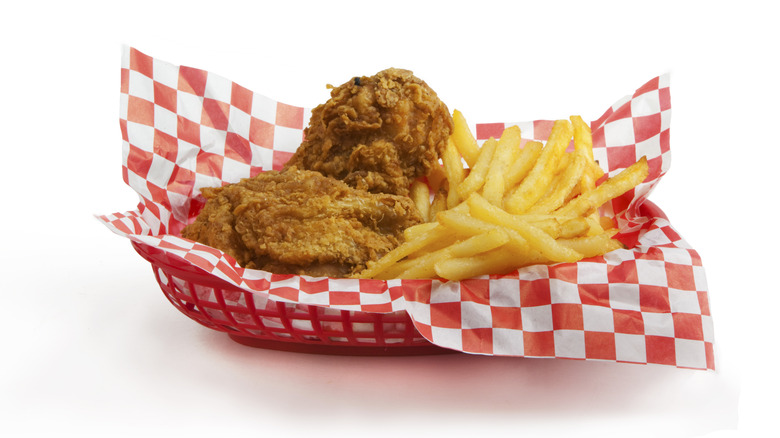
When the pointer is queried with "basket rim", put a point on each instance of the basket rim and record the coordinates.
(169, 269)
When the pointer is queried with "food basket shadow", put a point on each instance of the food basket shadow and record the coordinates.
(256, 321)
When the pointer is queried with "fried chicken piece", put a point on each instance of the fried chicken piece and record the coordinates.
(301, 222)
(377, 133)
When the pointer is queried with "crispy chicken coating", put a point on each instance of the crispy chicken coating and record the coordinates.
(377, 133)
(301, 222)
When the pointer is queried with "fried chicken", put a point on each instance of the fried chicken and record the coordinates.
(301, 222)
(377, 133)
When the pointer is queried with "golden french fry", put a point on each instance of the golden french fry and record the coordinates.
(421, 196)
(582, 137)
(497, 261)
(586, 184)
(535, 184)
(563, 163)
(627, 179)
(507, 152)
(583, 140)
(536, 238)
(463, 223)
(596, 170)
(524, 163)
(476, 177)
(453, 168)
(464, 139)
(479, 243)
(439, 202)
(575, 227)
(591, 246)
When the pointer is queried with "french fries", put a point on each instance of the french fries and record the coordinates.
(506, 152)
(509, 206)
(420, 194)
(463, 138)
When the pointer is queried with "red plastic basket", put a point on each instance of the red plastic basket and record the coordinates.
(256, 321)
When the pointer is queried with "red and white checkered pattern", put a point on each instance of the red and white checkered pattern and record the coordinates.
(185, 128)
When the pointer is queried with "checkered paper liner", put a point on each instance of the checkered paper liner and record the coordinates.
(184, 128)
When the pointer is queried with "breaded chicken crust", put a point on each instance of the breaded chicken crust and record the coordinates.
(377, 133)
(301, 222)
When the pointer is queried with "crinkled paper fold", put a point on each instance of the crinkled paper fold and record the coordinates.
(184, 128)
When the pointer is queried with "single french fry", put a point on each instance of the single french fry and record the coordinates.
(575, 227)
(586, 184)
(536, 238)
(591, 246)
(507, 152)
(421, 196)
(563, 163)
(613, 187)
(453, 168)
(439, 202)
(583, 143)
(463, 223)
(583, 140)
(464, 139)
(597, 171)
(556, 180)
(535, 184)
(523, 164)
(478, 172)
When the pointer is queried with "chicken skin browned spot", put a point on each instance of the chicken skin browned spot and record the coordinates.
(301, 222)
(377, 133)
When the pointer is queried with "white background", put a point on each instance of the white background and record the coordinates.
(90, 346)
